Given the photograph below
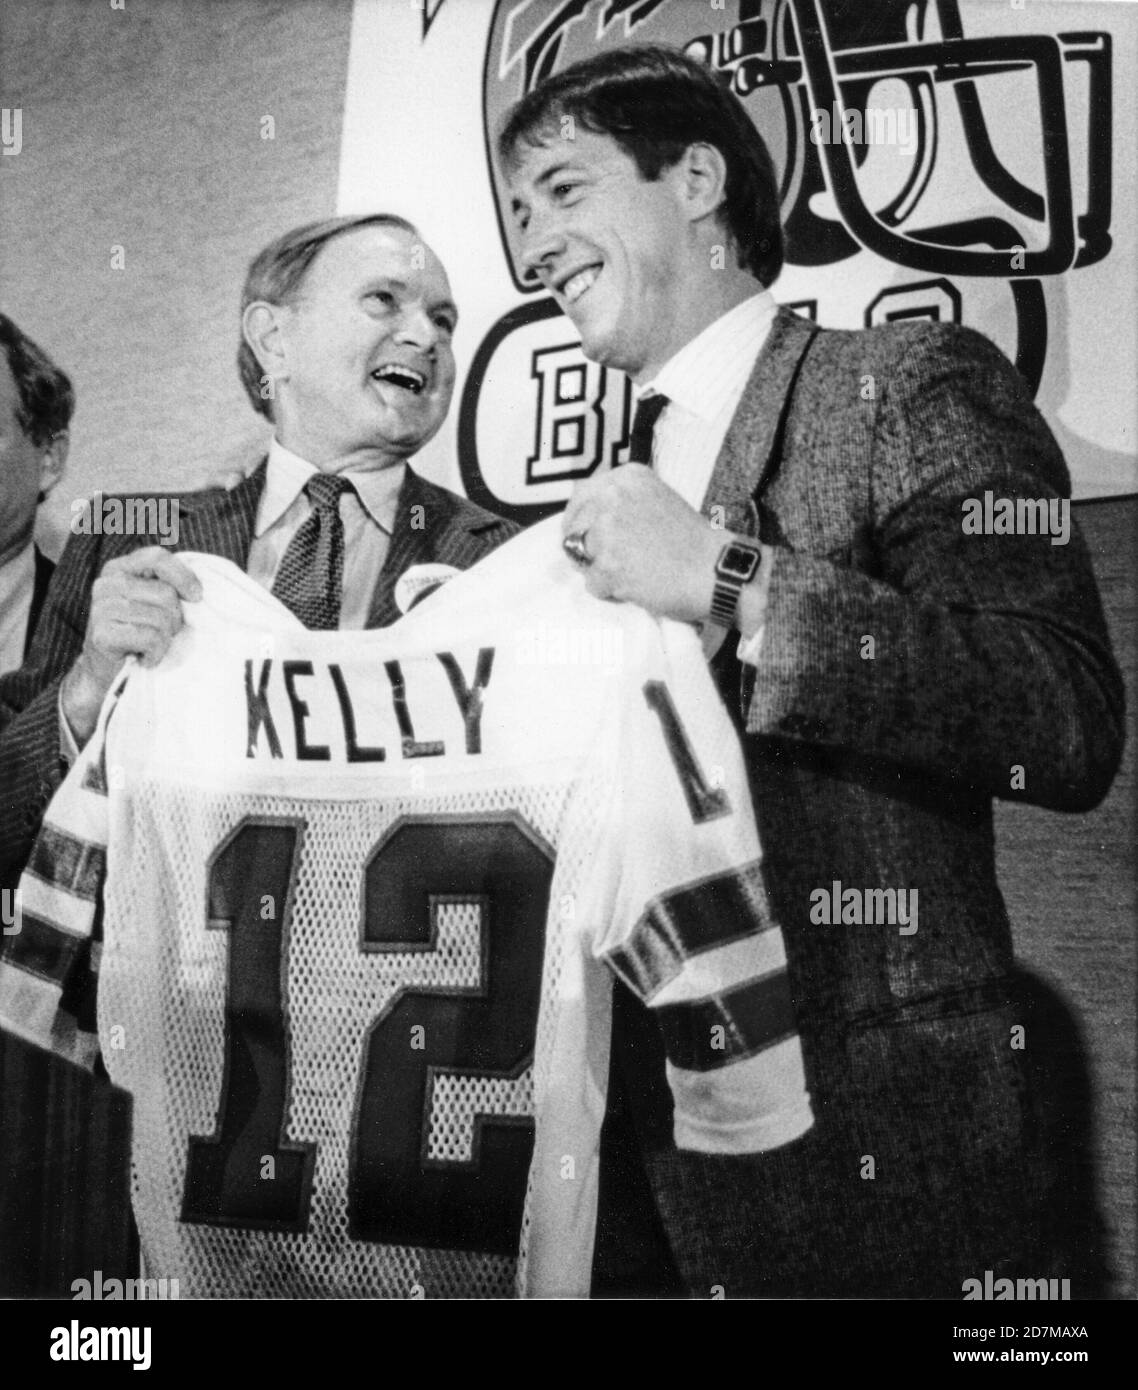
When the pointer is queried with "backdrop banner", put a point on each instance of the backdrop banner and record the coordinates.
(960, 160)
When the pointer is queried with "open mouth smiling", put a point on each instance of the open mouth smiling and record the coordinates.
(572, 288)
(407, 378)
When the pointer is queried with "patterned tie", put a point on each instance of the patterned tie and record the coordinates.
(648, 410)
(310, 579)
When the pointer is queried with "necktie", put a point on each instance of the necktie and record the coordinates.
(310, 579)
(648, 410)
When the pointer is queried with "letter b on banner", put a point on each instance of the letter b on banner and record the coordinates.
(537, 416)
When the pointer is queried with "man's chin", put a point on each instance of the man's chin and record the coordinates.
(410, 428)
(599, 341)
(601, 349)
(595, 342)
(406, 442)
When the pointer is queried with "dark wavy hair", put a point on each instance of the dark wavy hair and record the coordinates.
(655, 102)
(46, 396)
(277, 274)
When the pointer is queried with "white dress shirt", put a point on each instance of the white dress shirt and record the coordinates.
(368, 516)
(17, 585)
(704, 384)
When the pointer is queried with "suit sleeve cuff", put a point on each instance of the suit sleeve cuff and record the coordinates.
(749, 647)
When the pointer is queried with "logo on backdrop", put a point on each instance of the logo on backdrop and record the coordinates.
(925, 172)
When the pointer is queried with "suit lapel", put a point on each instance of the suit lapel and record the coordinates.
(42, 578)
(427, 530)
(222, 524)
(745, 463)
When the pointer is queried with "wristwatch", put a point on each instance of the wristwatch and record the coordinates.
(737, 565)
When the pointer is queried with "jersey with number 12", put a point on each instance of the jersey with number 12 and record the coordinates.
(363, 896)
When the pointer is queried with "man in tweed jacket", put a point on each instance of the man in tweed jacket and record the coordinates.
(890, 675)
(328, 310)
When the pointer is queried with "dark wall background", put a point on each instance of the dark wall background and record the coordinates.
(142, 129)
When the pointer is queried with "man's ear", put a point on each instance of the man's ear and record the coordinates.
(261, 324)
(702, 172)
(53, 457)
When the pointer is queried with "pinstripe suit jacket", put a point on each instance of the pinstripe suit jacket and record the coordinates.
(449, 530)
(44, 570)
(875, 766)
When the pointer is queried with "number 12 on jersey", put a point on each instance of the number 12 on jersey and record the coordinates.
(397, 1194)
(494, 867)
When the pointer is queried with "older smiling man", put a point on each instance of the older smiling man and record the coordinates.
(346, 347)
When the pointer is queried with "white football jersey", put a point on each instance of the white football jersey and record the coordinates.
(361, 897)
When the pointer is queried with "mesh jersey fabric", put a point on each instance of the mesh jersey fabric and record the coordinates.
(353, 902)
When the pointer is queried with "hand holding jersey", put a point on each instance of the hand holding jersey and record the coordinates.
(423, 851)
(136, 609)
(640, 542)
(645, 544)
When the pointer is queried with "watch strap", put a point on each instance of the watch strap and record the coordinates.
(724, 601)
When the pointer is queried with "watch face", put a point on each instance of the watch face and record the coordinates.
(738, 562)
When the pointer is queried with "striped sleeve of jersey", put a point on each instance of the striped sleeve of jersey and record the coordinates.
(49, 964)
(692, 933)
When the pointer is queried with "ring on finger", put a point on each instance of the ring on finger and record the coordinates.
(575, 547)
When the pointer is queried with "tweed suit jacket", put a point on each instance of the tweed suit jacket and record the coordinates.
(989, 653)
(448, 529)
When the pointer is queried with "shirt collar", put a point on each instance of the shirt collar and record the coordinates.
(709, 371)
(377, 488)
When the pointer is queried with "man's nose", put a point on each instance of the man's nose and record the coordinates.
(541, 242)
(419, 330)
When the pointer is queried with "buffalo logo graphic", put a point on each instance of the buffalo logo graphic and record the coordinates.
(937, 159)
